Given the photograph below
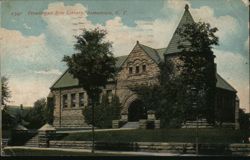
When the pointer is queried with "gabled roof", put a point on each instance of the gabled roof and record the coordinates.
(173, 44)
(152, 53)
(47, 127)
(161, 52)
(65, 80)
(223, 84)
(120, 60)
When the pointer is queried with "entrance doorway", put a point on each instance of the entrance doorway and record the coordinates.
(136, 111)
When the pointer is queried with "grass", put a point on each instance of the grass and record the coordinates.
(44, 152)
(213, 135)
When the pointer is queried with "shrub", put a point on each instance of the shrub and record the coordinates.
(104, 112)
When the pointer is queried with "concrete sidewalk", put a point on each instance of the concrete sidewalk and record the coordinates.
(114, 153)
(96, 130)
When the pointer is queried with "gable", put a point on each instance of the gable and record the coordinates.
(66, 80)
(223, 84)
(150, 52)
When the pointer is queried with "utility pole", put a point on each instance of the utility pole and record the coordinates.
(194, 94)
(93, 128)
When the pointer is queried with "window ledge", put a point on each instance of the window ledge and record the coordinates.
(73, 108)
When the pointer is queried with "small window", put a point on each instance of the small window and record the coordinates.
(73, 100)
(130, 70)
(109, 93)
(81, 99)
(144, 68)
(65, 104)
(137, 69)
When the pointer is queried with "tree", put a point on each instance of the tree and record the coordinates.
(244, 121)
(37, 115)
(163, 98)
(6, 94)
(93, 64)
(197, 67)
(8, 120)
(105, 112)
(49, 111)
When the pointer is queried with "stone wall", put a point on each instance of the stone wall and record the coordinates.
(137, 57)
(70, 116)
(181, 148)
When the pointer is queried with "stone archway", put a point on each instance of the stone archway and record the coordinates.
(134, 108)
(136, 111)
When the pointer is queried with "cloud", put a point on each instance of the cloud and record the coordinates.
(66, 24)
(176, 5)
(246, 2)
(26, 26)
(234, 68)
(227, 25)
(15, 44)
(147, 32)
(156, 33)
(49, 72)
(27, 90)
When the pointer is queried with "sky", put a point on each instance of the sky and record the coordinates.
(36, 34)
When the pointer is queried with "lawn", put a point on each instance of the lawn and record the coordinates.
(213, 135)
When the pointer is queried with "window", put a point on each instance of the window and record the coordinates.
(143, 68)
(130, 70)
(81, 99)
(73, 100)
(137, 69)
(109, 94)
(65, 104)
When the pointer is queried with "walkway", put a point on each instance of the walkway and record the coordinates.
(115, 153)
(96, 130)
(131, 125)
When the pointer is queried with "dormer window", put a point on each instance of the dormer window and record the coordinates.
(144, 68)
(130, 70)
(137, 69)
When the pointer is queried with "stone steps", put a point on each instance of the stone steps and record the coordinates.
(201, 123)
(131, 125)
(33, 142)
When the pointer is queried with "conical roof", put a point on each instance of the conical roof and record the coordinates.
(47, 127)
(173, 44)
(20, 127)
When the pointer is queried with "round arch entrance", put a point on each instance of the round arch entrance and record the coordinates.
(136, 111)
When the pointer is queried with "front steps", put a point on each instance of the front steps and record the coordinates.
(201, 123)
(33, 142)
(131, 125)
